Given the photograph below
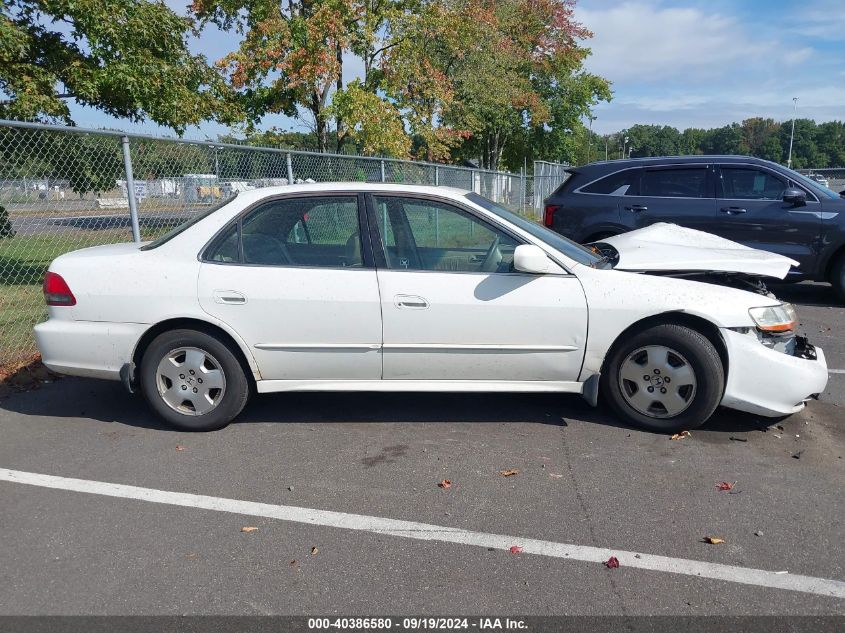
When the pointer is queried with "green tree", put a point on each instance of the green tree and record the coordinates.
(128, 58)
(6, 229)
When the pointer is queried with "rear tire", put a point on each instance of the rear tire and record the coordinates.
(667, 378)
(193, 381)
(837, 277)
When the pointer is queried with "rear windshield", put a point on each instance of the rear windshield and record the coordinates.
(200, 215)
(580, 254)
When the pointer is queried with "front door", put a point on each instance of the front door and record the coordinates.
(292, 279)
(752, 212)
(454, 309)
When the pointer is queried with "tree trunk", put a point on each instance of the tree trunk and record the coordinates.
(339, 53)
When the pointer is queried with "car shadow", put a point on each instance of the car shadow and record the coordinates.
(77, 399)
(806, 293)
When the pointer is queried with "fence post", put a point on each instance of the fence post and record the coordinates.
(522, 190)
(130, 190)
(383, 175)
(436, 176)
(290, 168)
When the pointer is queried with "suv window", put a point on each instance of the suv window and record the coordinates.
(620, 184)
(748, 183)
(313, 231)
(682, 182)
(431, 235)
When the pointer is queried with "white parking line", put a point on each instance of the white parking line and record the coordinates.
(836, 371)
(429, 532)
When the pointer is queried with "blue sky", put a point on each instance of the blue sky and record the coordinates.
(686, 63)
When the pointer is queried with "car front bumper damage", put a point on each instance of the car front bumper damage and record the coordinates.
(771, 382)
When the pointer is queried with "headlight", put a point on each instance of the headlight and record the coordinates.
(779, 318)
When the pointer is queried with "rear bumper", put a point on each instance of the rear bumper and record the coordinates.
(87, 348)
(768, 382)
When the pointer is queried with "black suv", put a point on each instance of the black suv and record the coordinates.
(748, 200)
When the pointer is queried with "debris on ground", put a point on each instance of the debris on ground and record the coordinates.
(180, 448)
(516, 549)
(445, 484)
(611, 563)
(509, 472)
(797, 455)
(314, 551)
(713, 540)
(758, 533)
(555, 475)
(725, 485)
(681, 435)
(737, 439)
(249, 528)
(24, 375)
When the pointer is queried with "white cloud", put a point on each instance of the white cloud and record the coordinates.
(644, 42)
(797, 57)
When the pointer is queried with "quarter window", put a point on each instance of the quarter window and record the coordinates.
(430, 235)
(674, 183)
(619, 184)
(745, 183)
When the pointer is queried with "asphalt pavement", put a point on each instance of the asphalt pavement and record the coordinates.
(584, 481)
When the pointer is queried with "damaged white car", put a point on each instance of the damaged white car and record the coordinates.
(367, 287)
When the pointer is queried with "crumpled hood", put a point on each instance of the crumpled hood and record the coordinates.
(669, 247)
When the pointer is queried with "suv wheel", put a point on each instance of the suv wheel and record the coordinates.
(667, 378)
(837, 277)
(193, 381)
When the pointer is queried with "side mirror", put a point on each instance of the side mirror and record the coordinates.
(795, 196)
(528, 258)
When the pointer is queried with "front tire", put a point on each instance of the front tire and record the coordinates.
(667, 378)
(193, 381)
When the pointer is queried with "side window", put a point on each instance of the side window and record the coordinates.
(747, 183)
(313, 231)
(225, 248)
(675, 183)
(619, 184)
(429, 235)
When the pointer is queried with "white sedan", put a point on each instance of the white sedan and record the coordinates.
(369, 287)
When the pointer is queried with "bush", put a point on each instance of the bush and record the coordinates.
(6, 229)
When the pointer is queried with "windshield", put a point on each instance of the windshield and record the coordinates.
(188, 223)
(816, 187)
(580, 254)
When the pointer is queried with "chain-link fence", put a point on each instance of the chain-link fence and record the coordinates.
(831, 177)
(65, 188)
(547, 178)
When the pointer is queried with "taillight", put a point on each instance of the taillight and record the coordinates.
(549, 214)
(56, 291)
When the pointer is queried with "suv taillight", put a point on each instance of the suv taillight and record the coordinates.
(549, 214)
(56, 291)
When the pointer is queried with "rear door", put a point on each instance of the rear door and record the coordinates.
(453, 307)
(680, 194)
(292, 279)
(752, 212)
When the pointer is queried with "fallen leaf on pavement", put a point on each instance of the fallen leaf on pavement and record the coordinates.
(509, 472)
(249, 528)
(445, 484)
(314, 551)
(713, 540)
(725, 485)
(681, 435)
(611, 563)
(515, 549)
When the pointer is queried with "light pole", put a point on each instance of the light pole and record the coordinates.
(792, 133)
(590, 138)
(606, 141)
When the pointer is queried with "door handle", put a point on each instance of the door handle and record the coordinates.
(414, 302)
(733, 210)
(636, 207)
(229, 297)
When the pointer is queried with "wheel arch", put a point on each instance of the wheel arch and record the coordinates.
(212, 329)
(706, 328)
(833, 259)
